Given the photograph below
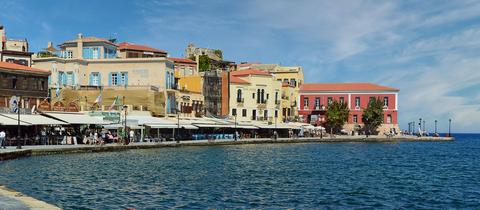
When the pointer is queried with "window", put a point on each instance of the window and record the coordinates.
(385, 101)
(42, 85)
(293, 82)
(254, 114)
(342, 100)
(244, 112)
(124, 76)
(305, 103)
(114, 79)
(69, 78)
(253, 95)
(95, 79)
(239, 95)
(258, 96)
(276, 113)
(330, 100)
(317, 103)
(355, 118)
(95, 53)
(14, 83)
(276, 97)
(265, 115)
(69, 54)
(389, 119)
(234, 112)
(357, 101)
(268, 95)
(285, 81)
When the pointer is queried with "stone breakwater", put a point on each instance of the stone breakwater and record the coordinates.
(27, 151)
(11, 199)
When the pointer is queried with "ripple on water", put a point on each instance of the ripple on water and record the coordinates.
(300, 176)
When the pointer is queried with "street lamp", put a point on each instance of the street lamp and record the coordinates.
(178, 125)
(125, 135)
(420, 126)
(235, 115)
(435, 126)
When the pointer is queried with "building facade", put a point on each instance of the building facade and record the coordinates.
(14, 50)
(189, 85)
(291, 78)
(254, 95)
(96, 73)
(29, 84)
(314, 100)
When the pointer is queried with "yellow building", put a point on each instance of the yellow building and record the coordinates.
(95, 73)
(254, 95)
(291, 78)
(189, 87)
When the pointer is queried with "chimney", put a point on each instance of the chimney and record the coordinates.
(79, 46)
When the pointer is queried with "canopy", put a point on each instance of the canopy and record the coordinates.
(9, 121)
(117, 125)
(35, 119)
(147, 120)
(77, 118)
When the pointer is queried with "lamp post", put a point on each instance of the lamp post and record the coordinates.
(125, 135)
(178, 125)
(19, 144)
(435, 126)
(449, 126)
(424, 126)
(235, 126)
(420, 126)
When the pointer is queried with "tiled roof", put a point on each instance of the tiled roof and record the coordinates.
(91, 39)
(182, 60)
(354, 86)
(234, 79)
(13, 66)
(250, 71)
(131, 46)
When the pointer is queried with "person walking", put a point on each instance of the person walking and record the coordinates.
(2, 139)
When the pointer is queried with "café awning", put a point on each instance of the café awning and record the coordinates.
(35, 119)
(9, 121)
(77, 118)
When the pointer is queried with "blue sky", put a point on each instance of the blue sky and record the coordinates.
(428, 49)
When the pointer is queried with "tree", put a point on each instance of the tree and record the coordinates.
(373, 116)
(204, 63)
(219, 53)
(337, 115)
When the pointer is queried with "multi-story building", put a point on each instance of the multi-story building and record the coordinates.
(291, 78)
(30, 84)
(13, 50)
(189, 85)
(95, 73)
(254, 95)
(314, 100)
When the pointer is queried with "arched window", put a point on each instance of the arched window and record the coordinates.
(239, 95)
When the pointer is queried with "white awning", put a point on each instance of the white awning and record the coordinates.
(245, 126)
(278, 126)
(77, 118)
(35, 119)
(9, 121)
(161, 125)
(212, 126)
(117, 125)
(146, 120)
(190, 127)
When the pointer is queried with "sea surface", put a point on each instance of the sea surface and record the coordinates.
(408, 175)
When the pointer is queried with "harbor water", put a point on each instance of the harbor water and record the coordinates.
(411, 175)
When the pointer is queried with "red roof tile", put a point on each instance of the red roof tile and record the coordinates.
(250, 71)
(13, 66)
(354, 86)
(234, 79)
(131, 46)
(182, 60)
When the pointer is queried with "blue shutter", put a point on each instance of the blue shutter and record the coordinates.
(74, 79)
(59, 78)
(99, 79)
(64, 78)
(105, 52)
(90, 79)
(85, 53)
(99, 52)
(49, 80)
(126, 79)
(110, 79)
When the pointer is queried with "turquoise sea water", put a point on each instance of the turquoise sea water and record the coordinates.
(410, 175)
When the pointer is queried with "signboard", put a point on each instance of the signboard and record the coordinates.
(58, 106)
(44, 106)
(14, 106)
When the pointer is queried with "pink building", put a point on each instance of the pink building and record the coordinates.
(314, 99)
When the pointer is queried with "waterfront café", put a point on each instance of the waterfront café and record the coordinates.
(30, 124)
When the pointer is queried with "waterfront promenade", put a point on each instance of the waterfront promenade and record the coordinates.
(26, 151)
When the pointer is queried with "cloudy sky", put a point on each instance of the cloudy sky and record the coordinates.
(428, 49)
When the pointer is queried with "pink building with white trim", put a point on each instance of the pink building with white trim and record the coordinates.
(314, 99)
